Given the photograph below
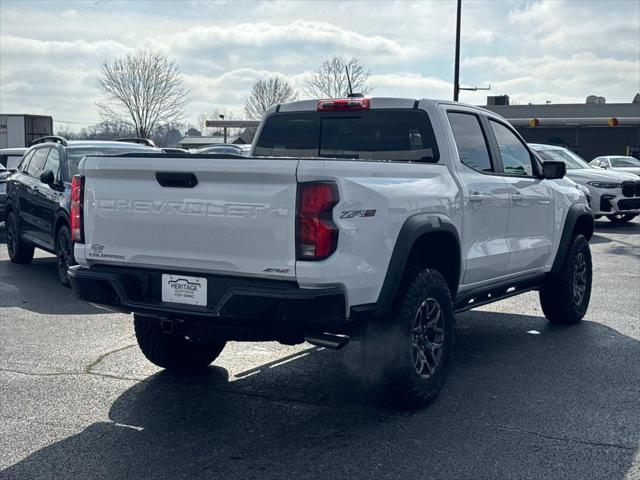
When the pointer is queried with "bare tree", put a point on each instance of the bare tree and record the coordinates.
(330, 80)
(143, 90)
(266, 93)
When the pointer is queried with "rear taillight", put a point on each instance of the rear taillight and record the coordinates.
(317, 235)
(342, 104)
(77, 198)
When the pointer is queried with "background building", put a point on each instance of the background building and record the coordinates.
(590, 129)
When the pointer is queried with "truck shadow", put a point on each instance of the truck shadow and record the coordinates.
(523, 400)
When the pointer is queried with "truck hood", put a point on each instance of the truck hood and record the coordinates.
(585, 175)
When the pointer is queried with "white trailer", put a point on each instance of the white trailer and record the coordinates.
(19, 130)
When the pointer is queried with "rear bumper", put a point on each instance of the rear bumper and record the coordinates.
(245, 308)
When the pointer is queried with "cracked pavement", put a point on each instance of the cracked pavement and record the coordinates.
(524, 400)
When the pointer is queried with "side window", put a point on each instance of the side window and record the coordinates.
(53, 162)
(470, 141)
(516, 159)
(25, 161)
(37, 162)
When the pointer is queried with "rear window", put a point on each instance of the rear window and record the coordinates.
(401, 135)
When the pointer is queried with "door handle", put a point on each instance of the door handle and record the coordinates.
(517, 197)
(33, 189)
(476, 197)
(544, 201)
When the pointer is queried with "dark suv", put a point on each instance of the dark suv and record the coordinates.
(38, 196)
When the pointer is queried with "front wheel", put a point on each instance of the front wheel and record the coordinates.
(174, 351)
(19, 250)
(64, 254)
(621, 217)
(565, 296)
(409, 354)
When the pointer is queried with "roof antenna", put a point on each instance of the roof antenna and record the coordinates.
(346, 68)
(351, 94)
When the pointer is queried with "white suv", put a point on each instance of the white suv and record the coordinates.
(614, 194)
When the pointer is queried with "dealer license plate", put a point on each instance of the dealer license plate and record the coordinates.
(184, 289)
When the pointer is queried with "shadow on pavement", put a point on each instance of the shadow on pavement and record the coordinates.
(596, 239)
(605, 226)
(524, 400)
(36, 287)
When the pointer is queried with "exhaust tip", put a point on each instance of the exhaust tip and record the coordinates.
(327, 340)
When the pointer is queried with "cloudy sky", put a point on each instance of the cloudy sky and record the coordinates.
(533, 50)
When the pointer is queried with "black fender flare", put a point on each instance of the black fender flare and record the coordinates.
(577, 212)
(414, 228)
(61, 217)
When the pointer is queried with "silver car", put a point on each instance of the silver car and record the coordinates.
(614, 194)
(618, 163)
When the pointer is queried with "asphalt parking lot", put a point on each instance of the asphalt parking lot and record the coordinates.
(524, 400)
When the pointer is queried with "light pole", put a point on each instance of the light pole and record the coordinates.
(224, 129)
(456, 71)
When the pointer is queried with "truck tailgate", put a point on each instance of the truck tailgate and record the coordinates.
(238, 218)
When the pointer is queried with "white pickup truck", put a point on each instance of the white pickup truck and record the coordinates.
(375, 219)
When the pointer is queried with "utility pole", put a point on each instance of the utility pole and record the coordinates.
(456, 72)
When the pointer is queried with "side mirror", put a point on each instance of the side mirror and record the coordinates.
(552, 170)
(48, 177)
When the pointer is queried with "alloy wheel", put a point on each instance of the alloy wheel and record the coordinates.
(580, 279)
(63, 254)
(427, 338)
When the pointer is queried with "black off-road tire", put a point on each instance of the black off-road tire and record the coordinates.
(564, 297)
(64, 254)
(19, 250)
(621, 217)
(390, 348)
(172, 351)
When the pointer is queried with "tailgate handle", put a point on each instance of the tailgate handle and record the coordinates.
(176, 179)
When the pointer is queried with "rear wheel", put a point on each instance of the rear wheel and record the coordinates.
(19, 250)
(565, 296)
(621, 217)
(64, 254)
(409, 354)
(173, 351)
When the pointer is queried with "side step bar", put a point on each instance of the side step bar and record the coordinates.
(327, 340)
(476, 298)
